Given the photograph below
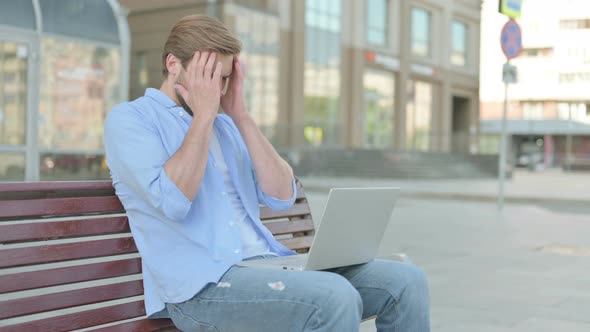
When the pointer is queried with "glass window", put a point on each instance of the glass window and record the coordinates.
(459, 43)
(572, 24)
(532, 111)
(418, 115)
(377, 22)
(79, 85)
(538, 52)
(421, 31)
(142, 75)
(12, 167)
(88, 19)
(59, 167)
(573, 111)
(489, 144)
(13, 93)
(575, 77)
(259, 33)
(379, 95)
(18, 14)
(322, 72)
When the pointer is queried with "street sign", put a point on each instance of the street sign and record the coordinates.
(511, 39)
(511, 8)
(509, 74)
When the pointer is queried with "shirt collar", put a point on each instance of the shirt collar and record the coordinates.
(160, 97)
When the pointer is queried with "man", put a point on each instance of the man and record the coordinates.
(192, 180)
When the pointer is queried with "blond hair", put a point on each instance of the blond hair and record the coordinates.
(198, 33)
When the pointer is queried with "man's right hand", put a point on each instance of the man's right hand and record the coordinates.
(201, 88)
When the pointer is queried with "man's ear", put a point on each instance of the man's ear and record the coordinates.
(173, 64)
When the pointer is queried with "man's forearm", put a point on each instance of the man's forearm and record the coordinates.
(186, 168)
(273, 172)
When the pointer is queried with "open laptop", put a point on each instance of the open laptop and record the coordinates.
(349, 233)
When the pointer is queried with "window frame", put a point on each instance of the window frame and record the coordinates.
(466, 40)
(386, 29)
(431, 20)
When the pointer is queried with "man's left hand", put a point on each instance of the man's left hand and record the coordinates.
(232, 102)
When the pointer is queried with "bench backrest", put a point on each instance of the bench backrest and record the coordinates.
(68, 261)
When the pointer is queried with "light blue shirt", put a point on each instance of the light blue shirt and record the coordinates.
(253, 243)
(184, 245)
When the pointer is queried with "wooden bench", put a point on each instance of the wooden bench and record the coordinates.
(68, 260)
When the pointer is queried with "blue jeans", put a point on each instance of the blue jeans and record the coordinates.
(250, 299)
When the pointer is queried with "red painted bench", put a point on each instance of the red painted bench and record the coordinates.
(68, 260)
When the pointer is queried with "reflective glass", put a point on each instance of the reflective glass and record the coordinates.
(62, 167)
(19, 14)
(12, 166)
(13, 92)
(142, 76)
(376, 21)
(323, 14)
(88, 19)
(79, 85)
(259, 33)
(419, 115)
(379, 94)
(420, 32)
(322, 73)
(459, 42)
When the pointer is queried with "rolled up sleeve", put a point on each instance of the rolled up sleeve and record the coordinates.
(273, 202)
(264, 199)
(136, 157)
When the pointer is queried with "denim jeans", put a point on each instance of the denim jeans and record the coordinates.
(335, 300)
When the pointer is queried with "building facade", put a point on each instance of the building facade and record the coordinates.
(63, 66)
(549, 106)
(375, 74)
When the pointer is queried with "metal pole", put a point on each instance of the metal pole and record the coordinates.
(503, 143)
(568, 141)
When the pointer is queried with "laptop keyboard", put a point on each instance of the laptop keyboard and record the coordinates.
(297, 260)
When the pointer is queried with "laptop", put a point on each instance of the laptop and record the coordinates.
(349, 233)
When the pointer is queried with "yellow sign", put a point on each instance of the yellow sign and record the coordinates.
(511, 8)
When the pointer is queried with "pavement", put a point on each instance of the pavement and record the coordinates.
(549, 186)
(526, 268)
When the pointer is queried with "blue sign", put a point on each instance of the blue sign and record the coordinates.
(511, 8)
(511, 39)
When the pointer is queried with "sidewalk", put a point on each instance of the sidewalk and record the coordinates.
(523, 270)
(551, 186)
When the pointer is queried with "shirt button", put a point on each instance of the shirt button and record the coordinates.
(237, 251)
(180, 113)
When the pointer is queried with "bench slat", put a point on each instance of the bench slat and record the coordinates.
(20, 201)
(63, 229)
(82, 319)
(142, 326)
(300, 193)
(65, 251)
(66, 275)
(289, 227)
(298, 243)
(55, 186)
(298, 209)
(15, 209)
(67, 299)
